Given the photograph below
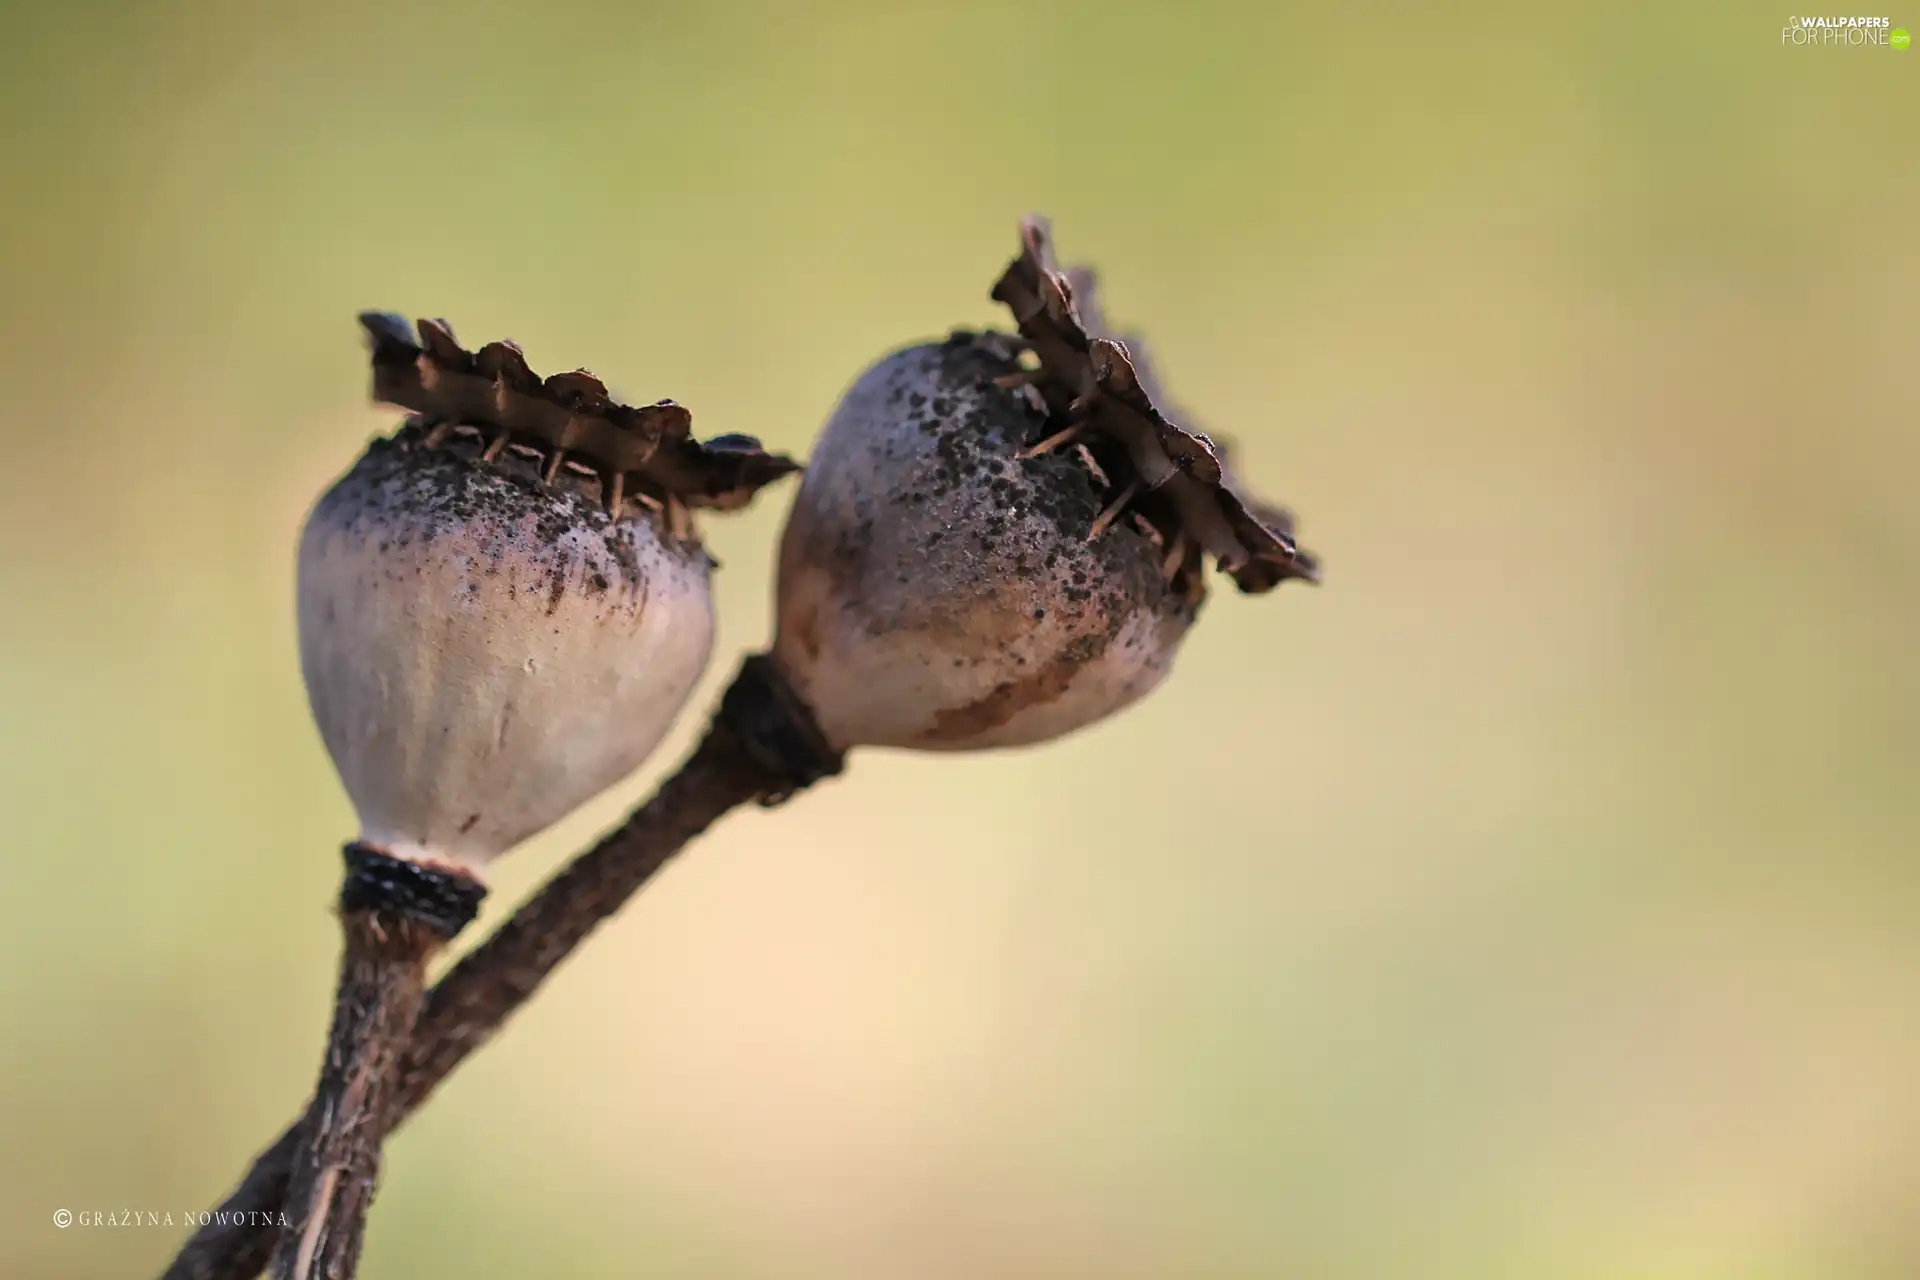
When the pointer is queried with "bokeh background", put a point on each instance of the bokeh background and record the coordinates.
(1537, 899)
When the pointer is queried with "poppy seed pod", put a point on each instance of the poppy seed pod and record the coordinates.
(503, 605)
(999, 540)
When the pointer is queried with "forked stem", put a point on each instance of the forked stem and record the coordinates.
(761, 745)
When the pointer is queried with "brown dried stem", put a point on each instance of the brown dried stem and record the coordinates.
(761, 746)
(337, 1159)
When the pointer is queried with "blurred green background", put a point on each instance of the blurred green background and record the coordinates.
(1537, 899)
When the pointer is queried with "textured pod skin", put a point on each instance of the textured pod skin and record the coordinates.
(937, 593)
(484, 652)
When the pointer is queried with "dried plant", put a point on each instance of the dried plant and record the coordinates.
(503, 606)
(999, 540)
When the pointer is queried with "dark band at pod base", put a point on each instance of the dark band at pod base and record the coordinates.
(778, 729)
(444, 901)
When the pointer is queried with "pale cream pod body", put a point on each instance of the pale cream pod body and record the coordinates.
(1002, 540)
(484, 652)
(937, 592)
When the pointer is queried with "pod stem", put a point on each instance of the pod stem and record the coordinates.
(394, 916)
(761, 745)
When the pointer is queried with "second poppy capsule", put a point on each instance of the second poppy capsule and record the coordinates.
(1000, 540)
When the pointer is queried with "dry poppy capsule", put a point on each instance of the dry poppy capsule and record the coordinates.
(999, 541)
(504, 605)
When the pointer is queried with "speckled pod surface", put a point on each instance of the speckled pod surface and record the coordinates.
(1003, 539)
(503, 606)
(938, 592)
(483, 654)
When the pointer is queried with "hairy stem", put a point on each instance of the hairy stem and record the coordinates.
(761, 746)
